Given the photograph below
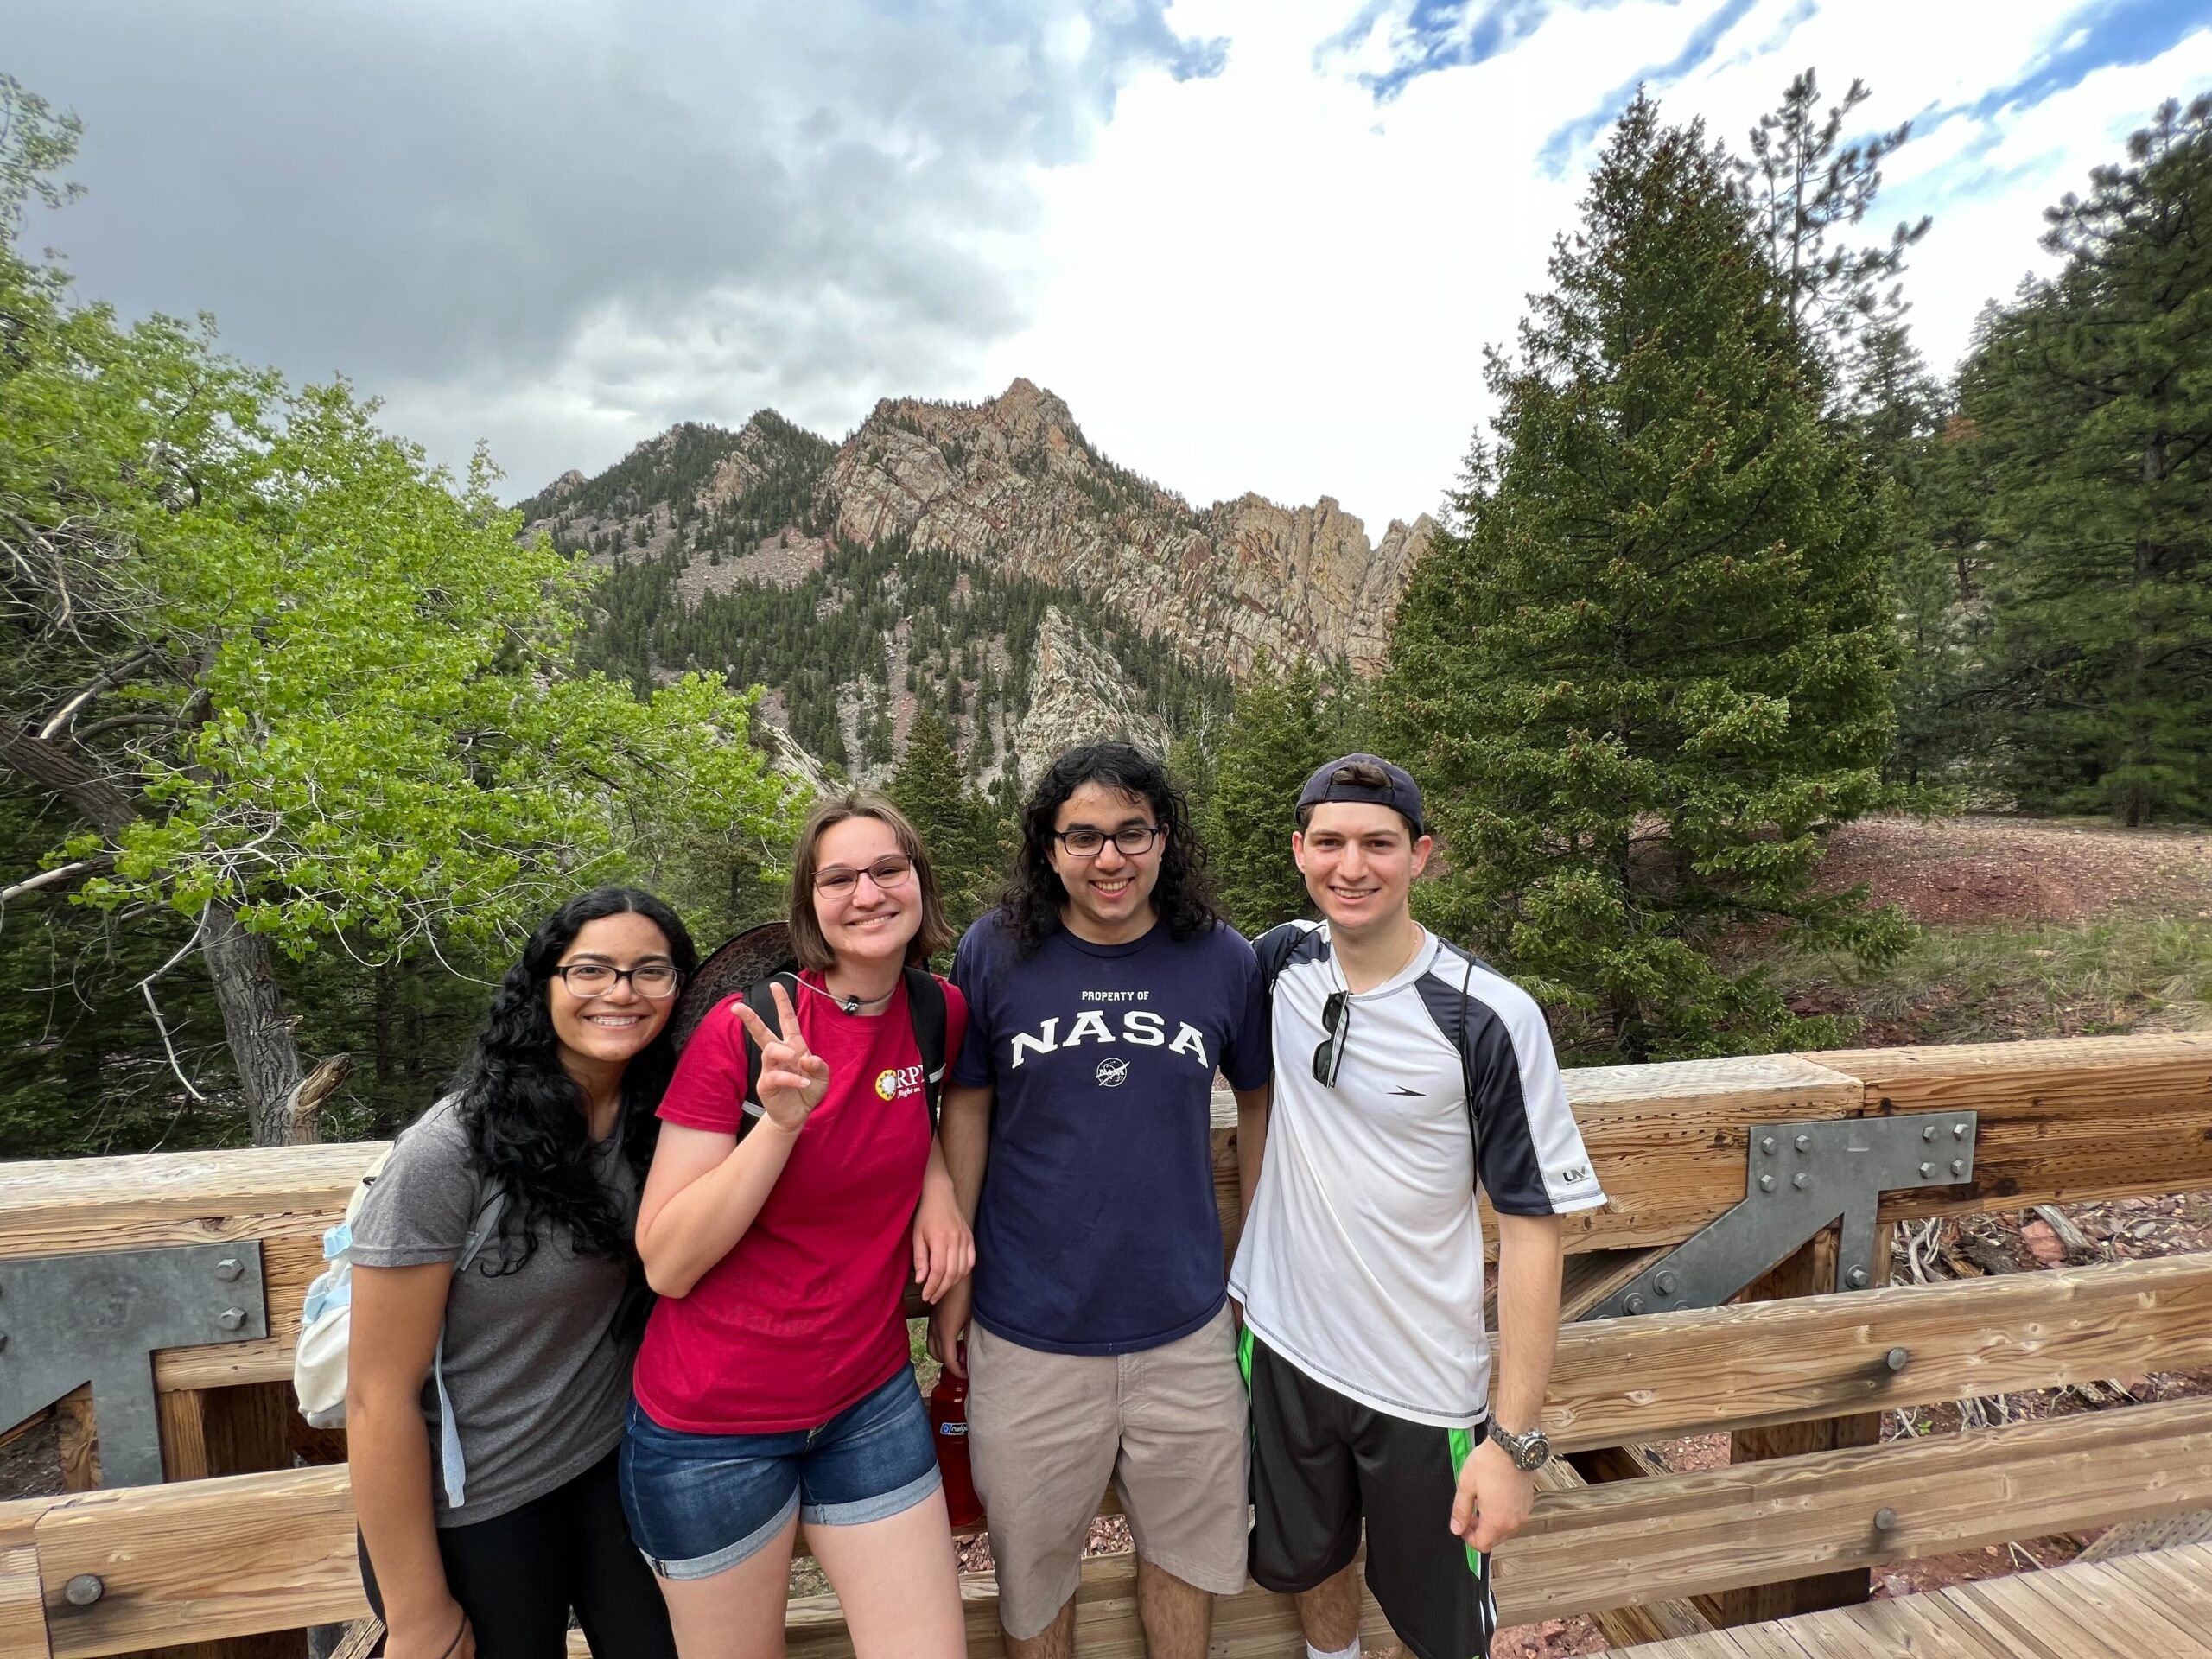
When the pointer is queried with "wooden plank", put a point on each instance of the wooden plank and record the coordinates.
(227, 1432)
(1657, 1621)
(1764, 1642)
(50, 1206)
(1903, 1626)
(1665, 1375)
(1808, 1271)
(286, 1559)
(1686, 1534)
(80, 1439)
(22, 1602)
(2061, 1120)
(2011, 1603)
(2106, 1603)
(1982, 1621)
(2147, 1577)
(2188, 1574)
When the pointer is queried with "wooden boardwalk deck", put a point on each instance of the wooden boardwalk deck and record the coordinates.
(2154, 1605)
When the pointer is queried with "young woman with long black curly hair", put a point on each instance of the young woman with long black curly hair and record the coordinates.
(489, 1366)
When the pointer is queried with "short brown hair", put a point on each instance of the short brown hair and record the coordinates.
(811, 949)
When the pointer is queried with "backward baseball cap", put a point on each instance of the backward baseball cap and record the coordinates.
(1397, 791)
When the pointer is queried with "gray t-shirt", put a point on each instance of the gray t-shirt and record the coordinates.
(539, 1384)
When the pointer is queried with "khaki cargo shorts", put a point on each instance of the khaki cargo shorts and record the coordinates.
(1166, 1426)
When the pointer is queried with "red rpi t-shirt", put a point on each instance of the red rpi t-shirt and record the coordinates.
(802, 1318)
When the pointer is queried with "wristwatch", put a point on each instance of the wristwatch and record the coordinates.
(1529, 1451)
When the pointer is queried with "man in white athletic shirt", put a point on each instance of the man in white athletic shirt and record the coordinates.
(1405, 1072)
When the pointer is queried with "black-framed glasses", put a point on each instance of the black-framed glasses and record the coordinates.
(1131, 839)
(654, 981)
(887, 872)
(1336, 1020)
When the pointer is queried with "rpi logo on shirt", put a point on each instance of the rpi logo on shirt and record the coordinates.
(894, 1081)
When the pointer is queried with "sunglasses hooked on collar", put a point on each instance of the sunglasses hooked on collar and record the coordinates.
(1336, 1020)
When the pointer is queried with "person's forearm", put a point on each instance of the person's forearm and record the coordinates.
(388, 1456)
(700, 1225)
(1530, 1250)
(964, 1134)
(1251, 1141)
(937, 1177)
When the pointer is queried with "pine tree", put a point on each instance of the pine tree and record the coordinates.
(1907, 435)
(1648, 670)
(1282, 727)
(1801, 186)
(2091, 399)
(955, 824)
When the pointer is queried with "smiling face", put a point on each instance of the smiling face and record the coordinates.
(1359, 860)
(873, 922)
(1108, 894)
(596, 1032)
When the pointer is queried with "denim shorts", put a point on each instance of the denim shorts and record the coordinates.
(698, 1504)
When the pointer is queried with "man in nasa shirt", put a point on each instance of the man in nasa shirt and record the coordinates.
(1102, 1000)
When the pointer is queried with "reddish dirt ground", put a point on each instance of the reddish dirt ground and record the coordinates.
(1965, 870)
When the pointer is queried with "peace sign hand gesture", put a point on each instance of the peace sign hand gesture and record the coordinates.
(793, 1078)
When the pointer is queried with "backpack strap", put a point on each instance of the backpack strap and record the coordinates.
(761, 999)
(926, 1007)
(452, 1468)
(1273, 948)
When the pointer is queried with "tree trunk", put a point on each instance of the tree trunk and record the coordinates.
(262, 1047)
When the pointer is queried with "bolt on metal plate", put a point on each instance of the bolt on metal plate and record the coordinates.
(1839, 1167)
(68, 1320)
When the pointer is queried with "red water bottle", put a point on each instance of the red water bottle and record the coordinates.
(948, 1427)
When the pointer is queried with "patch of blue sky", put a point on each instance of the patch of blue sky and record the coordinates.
(1435, 34)
(1567, 140)
(2120, 31)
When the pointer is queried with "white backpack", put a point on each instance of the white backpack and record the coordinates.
(327, 1329)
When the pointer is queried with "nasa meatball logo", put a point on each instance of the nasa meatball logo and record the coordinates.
(1112, 1074)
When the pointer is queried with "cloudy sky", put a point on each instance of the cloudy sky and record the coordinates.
(1255, 243)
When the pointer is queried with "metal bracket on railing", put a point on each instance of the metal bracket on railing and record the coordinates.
(1804, 1177)
(66, 1320)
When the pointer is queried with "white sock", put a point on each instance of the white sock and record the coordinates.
(1351, 1652)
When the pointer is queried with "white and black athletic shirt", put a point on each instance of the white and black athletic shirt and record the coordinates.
(1362, 1260)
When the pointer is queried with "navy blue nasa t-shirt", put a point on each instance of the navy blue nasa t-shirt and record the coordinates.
(1097, 1231)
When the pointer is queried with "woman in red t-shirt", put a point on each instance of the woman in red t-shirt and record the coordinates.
(774, 1385)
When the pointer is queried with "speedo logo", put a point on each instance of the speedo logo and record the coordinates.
(894, 1081)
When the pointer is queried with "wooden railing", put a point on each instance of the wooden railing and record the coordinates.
(221, 1557)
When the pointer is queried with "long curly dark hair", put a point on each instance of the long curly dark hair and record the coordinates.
(1033, 895)
(524, 1114)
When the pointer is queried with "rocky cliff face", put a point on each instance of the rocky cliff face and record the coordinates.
(1076, 696)
(1014, 483)
(700, 517)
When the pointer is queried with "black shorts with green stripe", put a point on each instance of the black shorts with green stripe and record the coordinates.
(1321, 1464)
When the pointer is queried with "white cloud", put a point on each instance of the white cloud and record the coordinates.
(1269, 281)
(1264, 279)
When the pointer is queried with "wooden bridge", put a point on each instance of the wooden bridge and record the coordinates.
(250, 1535)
